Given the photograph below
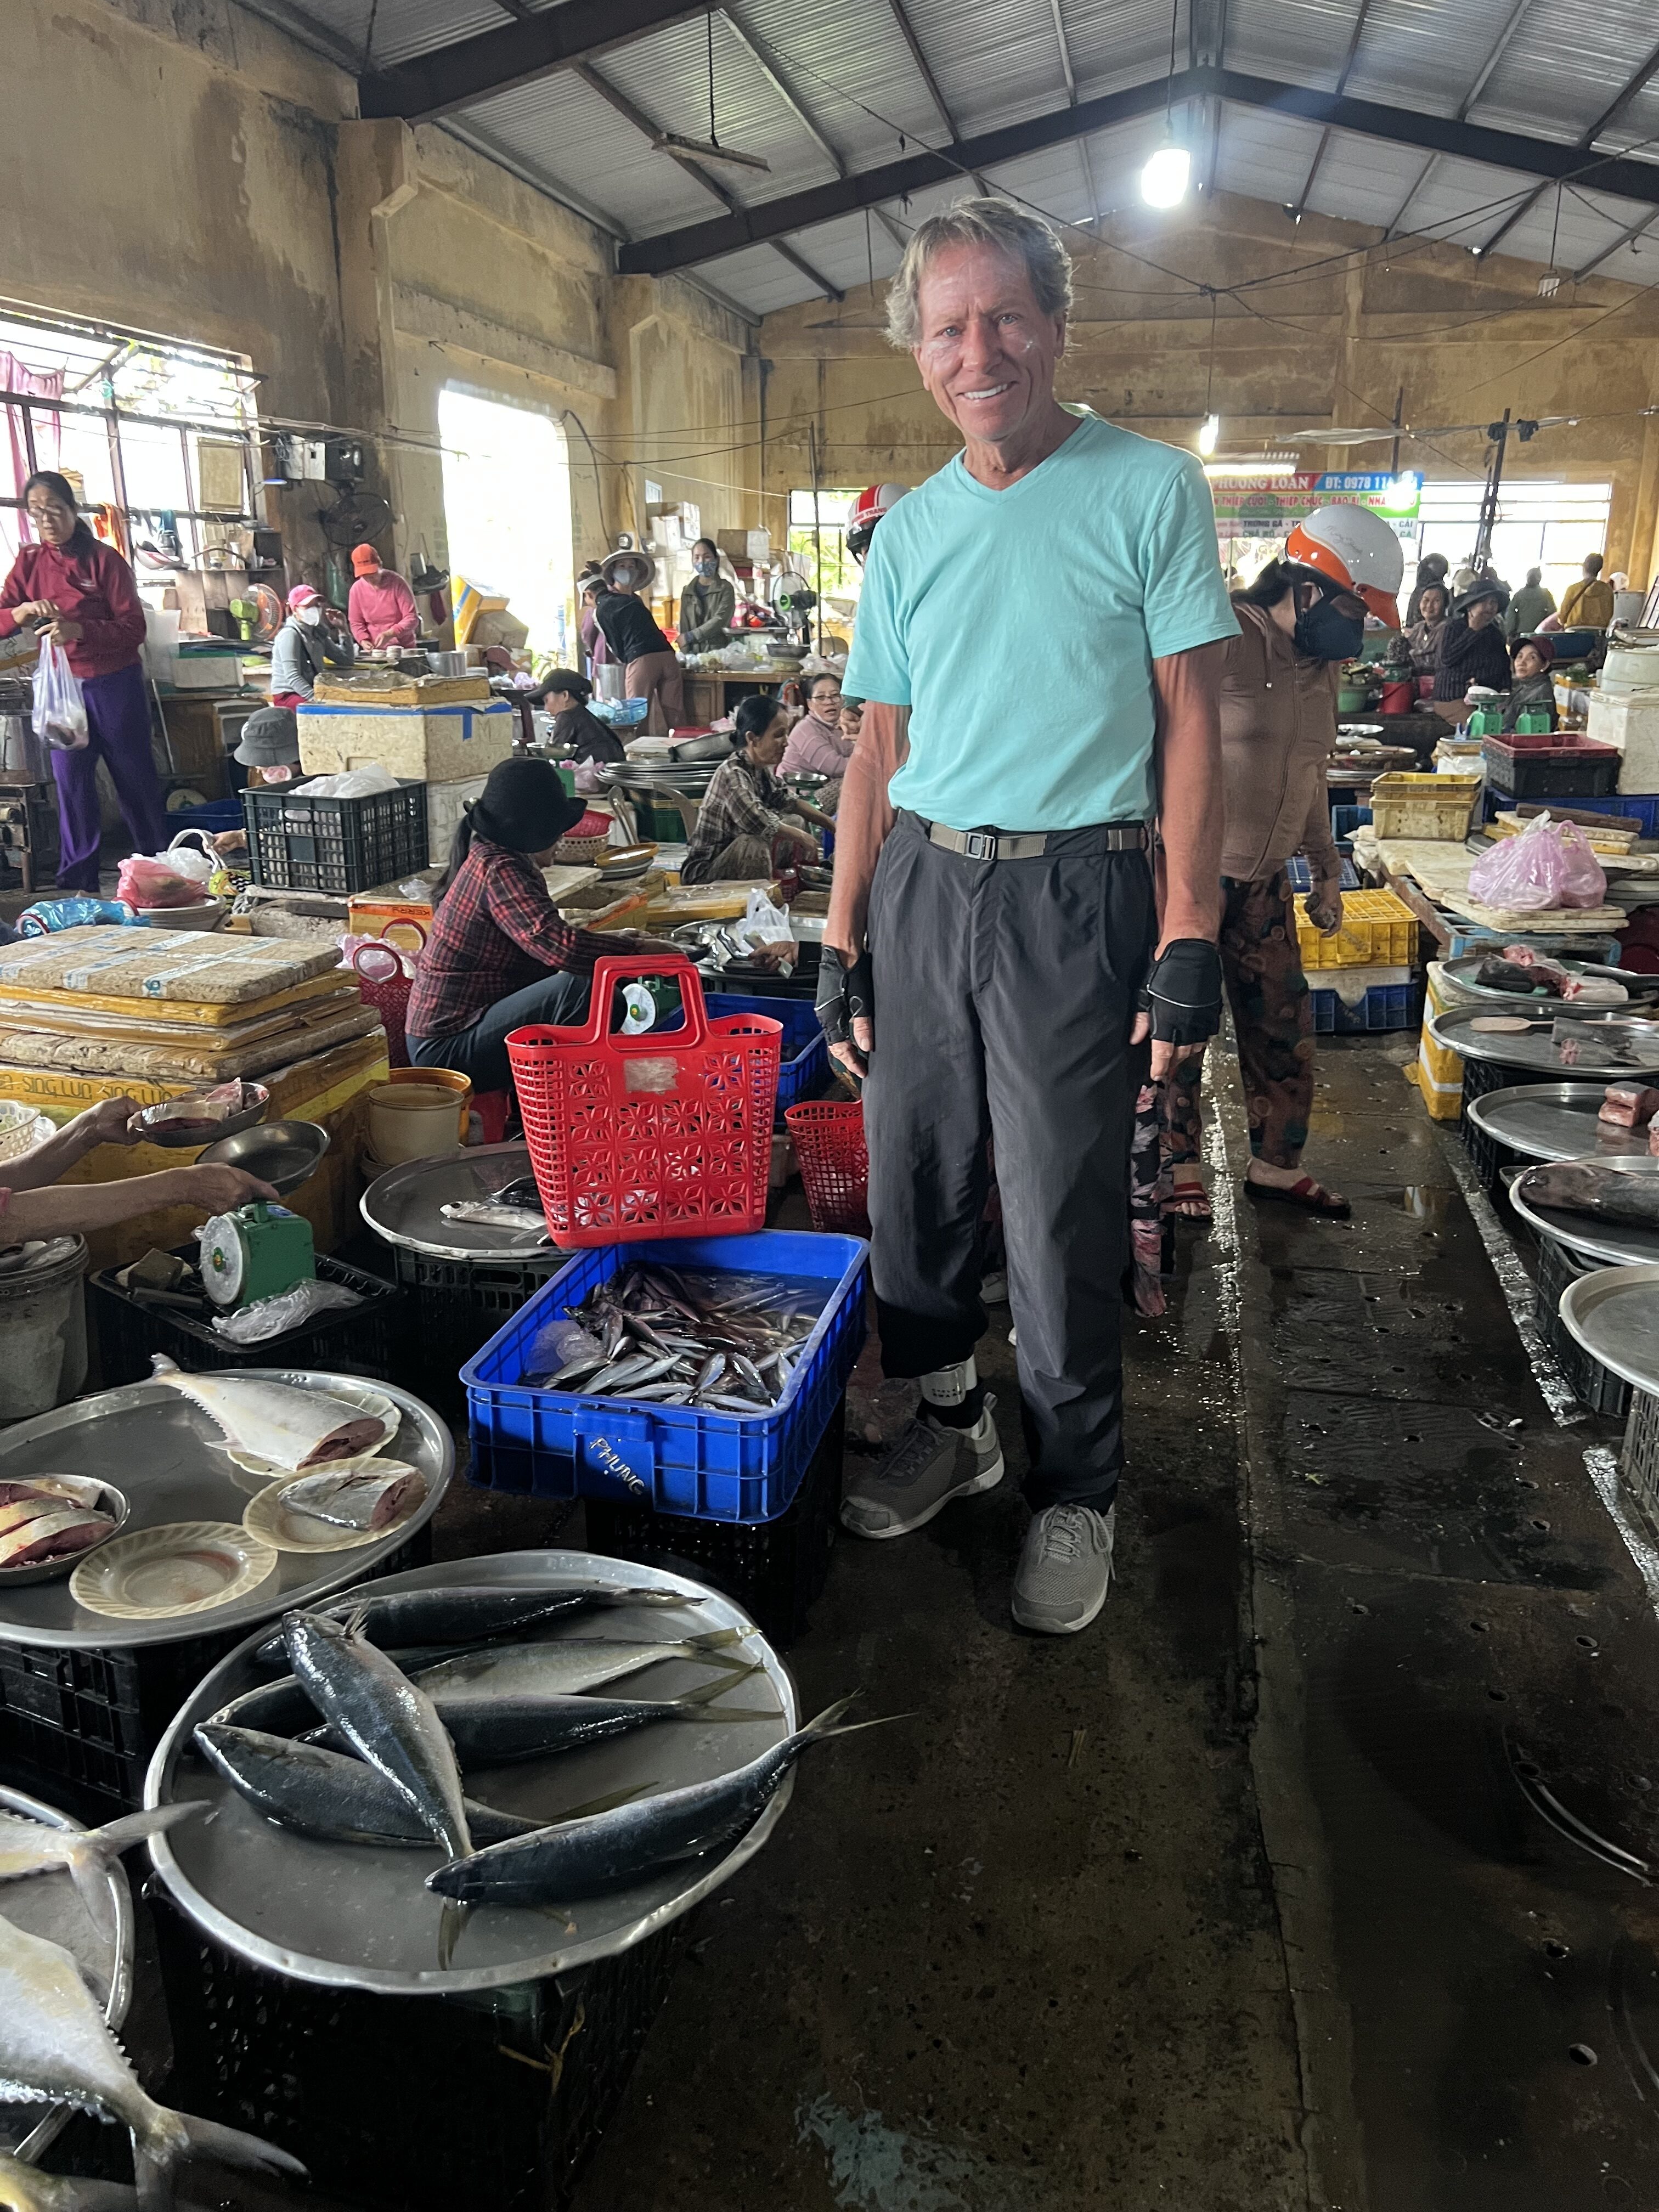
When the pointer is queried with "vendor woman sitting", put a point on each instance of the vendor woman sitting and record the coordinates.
(1532, 681)
(579, 735)
(499, 956)
(742, 832)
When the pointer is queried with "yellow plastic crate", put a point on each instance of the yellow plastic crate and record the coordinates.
(1443, 1100)
(1436, 808)
(1379, 930)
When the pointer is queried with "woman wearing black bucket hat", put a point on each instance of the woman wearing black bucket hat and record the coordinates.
(499, 956)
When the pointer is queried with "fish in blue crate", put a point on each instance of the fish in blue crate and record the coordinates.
(727, 1343)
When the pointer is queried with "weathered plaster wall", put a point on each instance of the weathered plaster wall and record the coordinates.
(1461, 339)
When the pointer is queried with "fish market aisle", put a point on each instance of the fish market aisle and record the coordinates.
(1091, 1930)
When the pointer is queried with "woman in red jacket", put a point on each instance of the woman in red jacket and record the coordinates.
(82, 595)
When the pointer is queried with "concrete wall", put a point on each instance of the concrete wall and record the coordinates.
(189, 170)
(1460, 339)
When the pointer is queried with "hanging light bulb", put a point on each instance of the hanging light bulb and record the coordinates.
(1208, 434)
(1164, 179)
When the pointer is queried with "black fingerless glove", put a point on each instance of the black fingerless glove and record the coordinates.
(1183, 991)
(845, 994)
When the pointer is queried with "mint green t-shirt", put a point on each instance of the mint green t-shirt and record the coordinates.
(1020, 627)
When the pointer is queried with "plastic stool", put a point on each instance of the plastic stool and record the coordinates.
(493, 1110)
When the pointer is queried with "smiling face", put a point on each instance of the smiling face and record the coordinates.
(988, 353)
(1431, 605)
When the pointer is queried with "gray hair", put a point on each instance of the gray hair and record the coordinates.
(994, 222)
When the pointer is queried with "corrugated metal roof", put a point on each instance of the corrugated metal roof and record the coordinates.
(1568, 64)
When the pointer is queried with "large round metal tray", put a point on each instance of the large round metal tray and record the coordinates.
(1463, 971)
(354, 1917)
(1614, 1315)
(163, 1447)
(1553, 1122)
(1534, 1048)
(47, 1904)
(403, 1204)
(1617, 1244)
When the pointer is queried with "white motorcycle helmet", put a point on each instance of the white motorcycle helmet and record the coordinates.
(1358, 551)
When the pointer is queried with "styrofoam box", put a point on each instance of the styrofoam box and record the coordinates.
(430, 744)
(1629, 719)
(445, 804)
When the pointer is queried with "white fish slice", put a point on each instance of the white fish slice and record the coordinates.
(279, 1425)
(72, 1528)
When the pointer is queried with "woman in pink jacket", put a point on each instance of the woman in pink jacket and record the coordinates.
(80, 594)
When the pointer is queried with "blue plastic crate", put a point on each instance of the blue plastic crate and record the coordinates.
(1384, 1006)
(675, 1459)
(804, 1059)
(216, 817)
(1344, 820)
(1641, 808)
(1301, 874)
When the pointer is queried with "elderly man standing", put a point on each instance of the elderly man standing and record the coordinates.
(995, 910)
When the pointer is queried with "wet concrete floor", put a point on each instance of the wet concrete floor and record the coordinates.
(1315, 1874)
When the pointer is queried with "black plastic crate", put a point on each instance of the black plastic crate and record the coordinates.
(776, 1570)
(1591, 1383)
(296, 843)
(361, 1340)
(1480, 1076)
(1566, 771)
(1489, 1158)
(407, 2104)
(458, 1306)
(79, 1727)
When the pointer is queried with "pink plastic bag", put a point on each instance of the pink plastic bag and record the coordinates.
(1549, 865)
(146, 883)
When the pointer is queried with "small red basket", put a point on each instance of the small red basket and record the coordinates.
(835, 1166)
(667, 1135)
(385, 986)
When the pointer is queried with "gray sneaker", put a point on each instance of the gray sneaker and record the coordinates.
(1064, 1569)
(926, 1470)
(981, 1440)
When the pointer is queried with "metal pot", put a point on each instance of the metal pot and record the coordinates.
(24, 757)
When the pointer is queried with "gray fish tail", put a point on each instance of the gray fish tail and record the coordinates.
(94, 1853)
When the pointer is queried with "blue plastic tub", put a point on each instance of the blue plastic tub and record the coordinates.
(804, 1059)
(1639, 805)
(1301, 874)
(1384, 1006)
(216, 817)
(675, 1459)
(1344, 820)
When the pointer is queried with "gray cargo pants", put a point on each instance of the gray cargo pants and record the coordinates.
(1005, 994)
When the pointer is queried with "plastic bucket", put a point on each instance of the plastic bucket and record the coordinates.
(42, 1319)
(417, 1113)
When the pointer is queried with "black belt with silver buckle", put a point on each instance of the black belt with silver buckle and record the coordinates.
(1031, 844)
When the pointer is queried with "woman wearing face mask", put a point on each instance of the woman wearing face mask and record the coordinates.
(80, 594)
(628, 628)
(303, 647)
(1277, 730)
(707, 603)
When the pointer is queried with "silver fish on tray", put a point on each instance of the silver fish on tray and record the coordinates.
(56, 2048)
(30, 1847)
(562, 1669)
(1602, 1194)
(277, 1421)
(331, 1794)
(361, 1500)
(385, 1718)
(26, 2189)
(485, 1213)
(579, 1857)
(469, 1612)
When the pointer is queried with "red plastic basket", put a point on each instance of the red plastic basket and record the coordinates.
(387, 987)
(668, 1134)
(835, 1166)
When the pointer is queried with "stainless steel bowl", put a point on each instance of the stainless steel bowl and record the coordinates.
(232, 1126)
(282, 1153)
(90, 1490)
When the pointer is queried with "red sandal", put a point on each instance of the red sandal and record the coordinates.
(1312, 1197)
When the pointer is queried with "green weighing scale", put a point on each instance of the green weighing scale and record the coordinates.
(257, 1252)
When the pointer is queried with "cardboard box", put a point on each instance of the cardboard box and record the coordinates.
(331, 1076)
(432, 745)
(392, 690)
(746, 544)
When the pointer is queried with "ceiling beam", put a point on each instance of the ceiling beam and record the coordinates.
(551, 39)
(1435, 134)
(925, 71)
(1499, 47)
(630, 112)
(1070, 76)
(1299, 205)
(1625, 237)
(1587, 139)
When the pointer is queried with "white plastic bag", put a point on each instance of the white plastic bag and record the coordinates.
(354, 783)
(762, 923)
(60, 712)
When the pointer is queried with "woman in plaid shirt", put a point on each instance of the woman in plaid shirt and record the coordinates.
(499, 956)
(742, 831)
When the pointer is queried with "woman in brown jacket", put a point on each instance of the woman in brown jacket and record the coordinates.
(1277, 730)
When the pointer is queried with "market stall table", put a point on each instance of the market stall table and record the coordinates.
(1614, 1315)
(1615, 1243)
